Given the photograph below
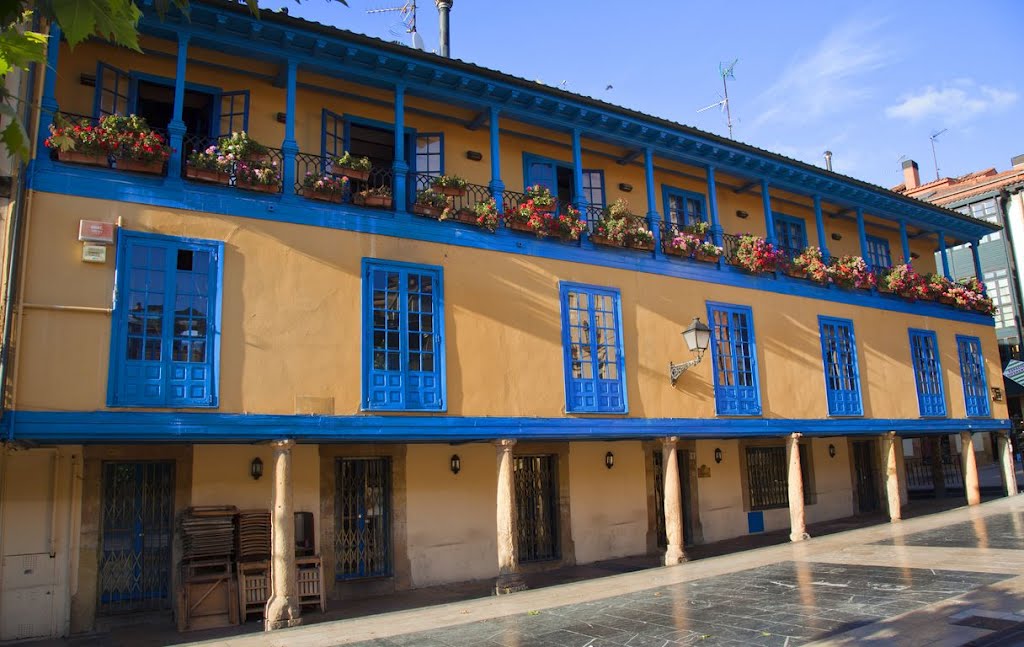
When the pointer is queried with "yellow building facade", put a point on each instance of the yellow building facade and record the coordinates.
(407, 380)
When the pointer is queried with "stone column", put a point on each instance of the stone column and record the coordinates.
(892, 476)
(674, 552)
(283, 608)
(797, 522)
(509, 580)
(970, 466)
(1006, 461)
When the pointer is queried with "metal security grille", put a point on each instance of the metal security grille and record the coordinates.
(362, 512)
(767, 480)
(137, 536)
(867, 478)
(536, 508)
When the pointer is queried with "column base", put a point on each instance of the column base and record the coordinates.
(799, 536)
(282, 613)
(509, 583)
(272, 625)
(675, 555)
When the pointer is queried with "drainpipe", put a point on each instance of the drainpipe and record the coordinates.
(444, 7)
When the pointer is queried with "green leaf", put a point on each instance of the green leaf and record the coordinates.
(113, 20)
(17, 50)
(15, 139)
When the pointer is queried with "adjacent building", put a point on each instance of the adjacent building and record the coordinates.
(449, 403)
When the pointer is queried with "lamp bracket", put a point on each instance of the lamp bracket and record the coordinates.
(677, 370)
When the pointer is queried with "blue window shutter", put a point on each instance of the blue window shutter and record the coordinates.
(332, 134)
(233, 112)
(543, 173)
(842, 373)
(734, 353)
(403, 345)
(790, 234)
(113, 87)
(592, 349)
(924, 352)
(972, 372)
(164, 348)
(879, 256)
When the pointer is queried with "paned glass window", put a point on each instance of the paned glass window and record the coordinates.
(734, 353)
(842, 375)
(879, 256)
(790, 234)
(593, 187)
(332, 135)
(684, 208)
(924, 351)
(403, 337)
(430, 154)
(972, 371)
(592, 343)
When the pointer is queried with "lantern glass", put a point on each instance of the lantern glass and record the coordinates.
(456, 464)
(256, 468)
(697, 336)
(609, 460)
(718, 455)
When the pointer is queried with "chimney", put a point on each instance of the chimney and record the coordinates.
(911, 176)
(828, 160)
(1017, 161)
(444, 7)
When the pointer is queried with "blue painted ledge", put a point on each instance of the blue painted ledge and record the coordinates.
(148, 427)
(107, 184)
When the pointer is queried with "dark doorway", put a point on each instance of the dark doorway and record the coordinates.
(137, 536)
(155, 102)
(362, 513)
(683, 461)
(566, 183)
(537, 508)
(866, 475)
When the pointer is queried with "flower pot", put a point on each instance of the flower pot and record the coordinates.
(515, 225)
(601, 240)
(427, 210)
(83, 158)
(675, 251)
(545, 209)
(350, 173)
(205, 175)
(450, 191)
(154, 167)
(704, 258)
(796, 273)
(465, 216)
(378, 201)
(322, 196)
(262, 188)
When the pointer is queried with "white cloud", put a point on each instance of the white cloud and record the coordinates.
(952, 104)
(828, 79)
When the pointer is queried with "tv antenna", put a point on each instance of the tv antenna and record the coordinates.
(407, 23)
(726, 72)
(935, 158)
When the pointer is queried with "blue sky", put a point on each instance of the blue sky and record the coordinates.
(869, 81)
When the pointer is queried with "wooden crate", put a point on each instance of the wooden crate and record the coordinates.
(311, 582)
(207, 597)
(253, 587)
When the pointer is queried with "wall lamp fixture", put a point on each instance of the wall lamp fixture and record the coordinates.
(831, 450)
(718, 454)
(697, 338)
(609, 460)
(455, 464)
(256, 469)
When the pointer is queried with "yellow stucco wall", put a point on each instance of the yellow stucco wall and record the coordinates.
(292, 325)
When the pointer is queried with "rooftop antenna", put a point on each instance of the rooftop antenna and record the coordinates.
(726, 72)
(828, 160)
(407, 23)
(935, 158)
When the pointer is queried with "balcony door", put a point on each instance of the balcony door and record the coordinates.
(155, 102)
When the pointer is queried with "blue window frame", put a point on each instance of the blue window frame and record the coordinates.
(430, 153)
(683, 208)
(233, 114)
(879, 256)
(113, 91)
(924, 351)
(734, 353)
(593, 187)
(790, 234)
(595, 379)
(166, 322)
(842, 374)
(403, 337)
(972, 371)
(332, 134)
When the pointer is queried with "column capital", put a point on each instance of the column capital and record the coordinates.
(670, 441)
(505, 444)
(796, 435)
(284, 444)
(891, 435)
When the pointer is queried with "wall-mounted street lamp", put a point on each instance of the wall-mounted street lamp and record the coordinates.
(718, 454)
(455, 464)
(609, 460)
(256, 469)
(831, 450)
(697, 338)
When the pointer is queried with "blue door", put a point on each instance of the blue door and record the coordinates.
(137, 536)
(362, 506)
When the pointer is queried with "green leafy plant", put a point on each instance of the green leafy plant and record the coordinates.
(376, 192)
(241, 146)
(622, 227)
(540, 195)
(486, 212)
(757, 255)
(348, 160)
(433, 199)
(812, 264)
(257, 173)
(80, 136)
(851, 272)
(448, 182)
(324, 183)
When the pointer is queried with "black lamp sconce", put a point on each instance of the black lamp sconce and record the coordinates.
(742, 215)
(256, 469)
(831, 450)
(718, 454)
(476, 156)
(914, 255)
(625, 187)
(609, 460)
(455, 464)
(282, 117)
(837, 236)
(997, 394)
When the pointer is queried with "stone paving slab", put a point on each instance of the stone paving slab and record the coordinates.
(1004, 531)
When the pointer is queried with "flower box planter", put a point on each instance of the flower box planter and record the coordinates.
(323, 197)
(83, 158)
(601, 240)
(515, 225)
(427, 211)
(674, 251)
(465, 216)
(450, 191)
(206, 175)
(262, 188)
(153, 167)
(795, 273)
(350, 173)
(550, 208)
(378, 201)
(704, 258)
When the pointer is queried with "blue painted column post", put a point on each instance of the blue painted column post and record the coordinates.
(577, 176)
(945, 255)
(819, 221)
(653, 219)
(176, 129)
(400, 167)
(769, 219)
(716, 226)
(862, 235)
(497, 186)
(289, 147)
(49, 99)
(905, 243)
(976, 256)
